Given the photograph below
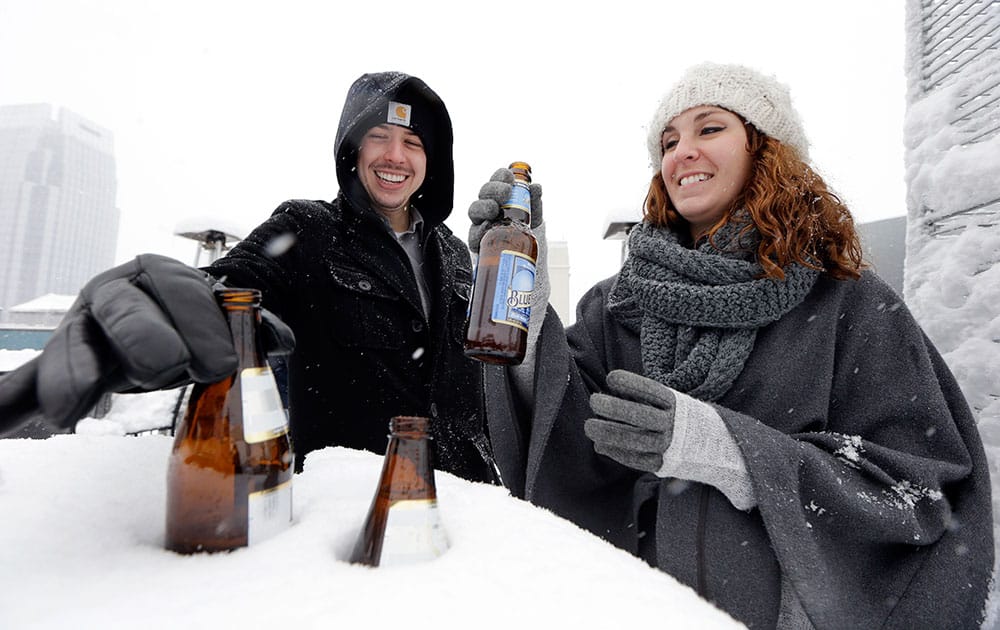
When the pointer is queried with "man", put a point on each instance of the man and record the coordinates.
(373, 284)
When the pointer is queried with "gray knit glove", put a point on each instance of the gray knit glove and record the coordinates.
(647, 426)
(485, 211)
(639, 422)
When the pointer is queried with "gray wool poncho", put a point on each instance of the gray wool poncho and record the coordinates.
(872, 488)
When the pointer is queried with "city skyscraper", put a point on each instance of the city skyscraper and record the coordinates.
(58, 218)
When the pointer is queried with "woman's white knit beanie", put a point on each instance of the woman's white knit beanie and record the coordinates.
(760, 99)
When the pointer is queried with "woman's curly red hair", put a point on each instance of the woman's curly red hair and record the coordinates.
(799, 219)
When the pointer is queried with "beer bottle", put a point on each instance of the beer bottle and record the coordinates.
(500, 306)
(403, 525)
(229, 479)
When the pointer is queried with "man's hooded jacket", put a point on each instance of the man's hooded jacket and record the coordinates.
(335, 273)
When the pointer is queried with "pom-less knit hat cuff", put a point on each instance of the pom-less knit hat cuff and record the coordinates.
(760, 99)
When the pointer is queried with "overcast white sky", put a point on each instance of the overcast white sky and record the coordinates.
(228, 108)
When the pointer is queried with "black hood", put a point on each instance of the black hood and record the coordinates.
(367, 105)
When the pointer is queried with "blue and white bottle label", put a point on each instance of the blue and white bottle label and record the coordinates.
(512, 297)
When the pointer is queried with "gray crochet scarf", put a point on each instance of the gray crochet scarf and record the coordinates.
(697, 311)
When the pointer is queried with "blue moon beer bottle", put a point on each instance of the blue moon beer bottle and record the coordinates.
(500, 307)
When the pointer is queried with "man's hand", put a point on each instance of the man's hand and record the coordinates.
(485, 211)
(151, 323)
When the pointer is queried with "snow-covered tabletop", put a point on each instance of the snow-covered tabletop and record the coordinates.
(81, 546)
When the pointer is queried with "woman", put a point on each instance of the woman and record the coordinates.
(744, 405)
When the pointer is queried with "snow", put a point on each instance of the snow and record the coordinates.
(48, 303)
(10, 360)
(952, 270)
(100, 551)
(85, 547)
(85, 550)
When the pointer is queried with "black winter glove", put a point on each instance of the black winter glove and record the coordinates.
(639, 424)
(485, 211)
(149, 324)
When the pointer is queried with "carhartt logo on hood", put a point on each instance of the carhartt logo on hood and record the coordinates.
(399, 114)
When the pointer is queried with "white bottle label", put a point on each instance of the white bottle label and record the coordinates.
(269, 513)
(263, 415)
(413, 533)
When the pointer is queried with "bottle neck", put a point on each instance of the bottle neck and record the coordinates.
(408, 460)
(518, 205)
(242, 309)
(409, 427)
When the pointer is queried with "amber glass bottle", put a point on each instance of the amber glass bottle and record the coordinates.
(229, 480)
(403, 524)
(500, 307)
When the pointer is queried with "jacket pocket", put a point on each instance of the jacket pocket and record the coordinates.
(367, 313)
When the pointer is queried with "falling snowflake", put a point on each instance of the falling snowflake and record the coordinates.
(280, 244)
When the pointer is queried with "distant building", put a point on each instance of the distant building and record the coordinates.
(617, 229)
(884, 246)
(45, 311)
(58, 219)
(27, 327)
(559, 279)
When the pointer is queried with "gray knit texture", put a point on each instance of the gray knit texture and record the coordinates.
(697, 311)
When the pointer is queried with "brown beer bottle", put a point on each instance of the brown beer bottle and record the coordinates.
(403, 524)
(229, 479)
(500, 307)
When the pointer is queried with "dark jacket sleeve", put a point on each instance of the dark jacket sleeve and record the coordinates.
(263, 259)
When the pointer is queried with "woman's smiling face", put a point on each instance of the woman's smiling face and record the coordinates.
(705, 164)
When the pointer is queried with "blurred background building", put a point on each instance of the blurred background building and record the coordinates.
(559, 277)
(884, 245)
(58, 216)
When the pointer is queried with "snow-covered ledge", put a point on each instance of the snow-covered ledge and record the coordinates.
(952, 270)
